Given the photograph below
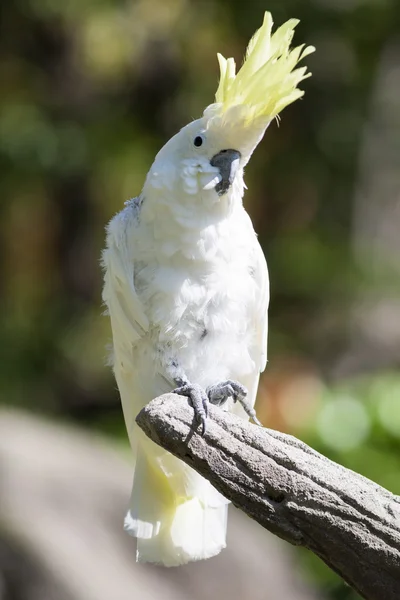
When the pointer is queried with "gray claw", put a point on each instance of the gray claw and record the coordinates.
(199, 401)
(252, 414)
(218, 394)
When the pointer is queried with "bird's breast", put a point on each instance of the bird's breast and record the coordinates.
(202, 313)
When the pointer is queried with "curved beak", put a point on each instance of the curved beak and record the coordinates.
(227, 161)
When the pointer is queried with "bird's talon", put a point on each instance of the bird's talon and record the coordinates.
(205, 406)
(218, 394)
(199, 400)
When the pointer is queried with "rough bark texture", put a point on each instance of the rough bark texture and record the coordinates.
(352, 523)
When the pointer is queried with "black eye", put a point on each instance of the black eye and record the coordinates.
(198, 141)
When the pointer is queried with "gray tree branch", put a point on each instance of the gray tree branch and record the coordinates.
(351, 523)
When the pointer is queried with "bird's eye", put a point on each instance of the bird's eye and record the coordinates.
(198, 141)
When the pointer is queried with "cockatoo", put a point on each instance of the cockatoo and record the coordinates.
(186, 287)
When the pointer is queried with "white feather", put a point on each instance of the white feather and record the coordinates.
(185, 280)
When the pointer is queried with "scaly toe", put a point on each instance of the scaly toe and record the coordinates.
(199, 401)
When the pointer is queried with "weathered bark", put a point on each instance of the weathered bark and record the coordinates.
(352, 523)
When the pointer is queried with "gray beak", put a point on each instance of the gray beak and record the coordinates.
(227, 161)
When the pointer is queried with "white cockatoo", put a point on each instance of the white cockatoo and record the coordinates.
(186, 287)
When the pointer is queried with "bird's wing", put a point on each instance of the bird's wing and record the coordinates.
(262, 278)
(129, 322)
(259, 319)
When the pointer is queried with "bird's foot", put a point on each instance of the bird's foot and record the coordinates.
(219, 393)
(199, 400)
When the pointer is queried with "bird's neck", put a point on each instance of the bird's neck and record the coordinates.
(191, 227)
(169, 203)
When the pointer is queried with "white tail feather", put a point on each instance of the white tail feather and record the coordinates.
(173, 530)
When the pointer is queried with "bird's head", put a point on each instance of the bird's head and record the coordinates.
(208, 155)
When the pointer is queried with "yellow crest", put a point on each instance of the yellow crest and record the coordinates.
(267, 80)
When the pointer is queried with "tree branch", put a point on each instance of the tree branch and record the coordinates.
(351, 523)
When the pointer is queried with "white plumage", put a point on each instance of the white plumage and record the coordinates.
(166, 283)
(186, 286)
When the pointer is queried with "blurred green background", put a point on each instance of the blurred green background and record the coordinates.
(90, 90)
